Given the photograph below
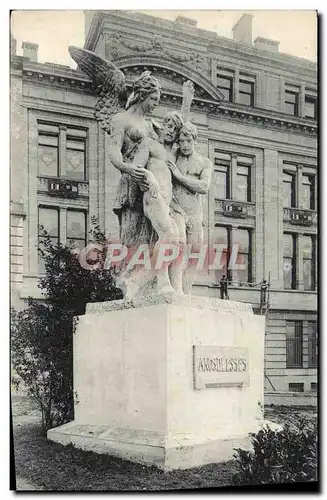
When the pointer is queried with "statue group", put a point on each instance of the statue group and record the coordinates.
(163, 178)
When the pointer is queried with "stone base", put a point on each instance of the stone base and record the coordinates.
(138, 386)
(149, 448)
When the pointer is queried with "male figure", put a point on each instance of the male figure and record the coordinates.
(263, 296)
(191, 180)
(224, 287)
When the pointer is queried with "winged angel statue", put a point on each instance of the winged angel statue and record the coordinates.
(140, 149)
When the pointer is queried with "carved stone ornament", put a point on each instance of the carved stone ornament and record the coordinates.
(118, 46)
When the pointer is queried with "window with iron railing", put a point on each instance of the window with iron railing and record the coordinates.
(312, 344)
(294, 344)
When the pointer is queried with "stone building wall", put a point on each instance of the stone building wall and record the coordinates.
(175, 52)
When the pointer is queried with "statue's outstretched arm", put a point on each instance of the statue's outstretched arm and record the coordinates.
(188, 95)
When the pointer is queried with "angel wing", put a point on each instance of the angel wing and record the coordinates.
(110, 84)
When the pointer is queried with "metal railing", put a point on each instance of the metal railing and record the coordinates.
(312, 352)
(294, 353)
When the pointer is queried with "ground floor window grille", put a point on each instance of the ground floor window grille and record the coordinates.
(294, 344)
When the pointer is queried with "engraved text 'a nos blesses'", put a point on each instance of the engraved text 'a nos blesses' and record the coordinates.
(222, 365)
(215, 366)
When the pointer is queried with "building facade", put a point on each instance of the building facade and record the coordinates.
(261, 139)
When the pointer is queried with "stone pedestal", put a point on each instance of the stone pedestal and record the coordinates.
(175, 382)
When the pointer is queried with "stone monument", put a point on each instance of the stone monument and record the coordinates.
(163, 377)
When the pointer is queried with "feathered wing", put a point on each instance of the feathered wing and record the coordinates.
(110, 84)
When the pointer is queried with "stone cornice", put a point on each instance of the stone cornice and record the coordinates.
(267, 119)
(52, 75)
(214, 43)
(205, 102)
(206, 97)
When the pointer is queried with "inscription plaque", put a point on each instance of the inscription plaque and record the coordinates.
(215, 366)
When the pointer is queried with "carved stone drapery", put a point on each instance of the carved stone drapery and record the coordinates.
(118, 46)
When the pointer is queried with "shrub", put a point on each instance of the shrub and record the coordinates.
(67, 284)
(285, 456)
(42, 351)
(42, 334)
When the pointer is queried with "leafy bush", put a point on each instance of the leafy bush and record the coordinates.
(69, 285)
(42, 352)
(42, 334)
(285, 456)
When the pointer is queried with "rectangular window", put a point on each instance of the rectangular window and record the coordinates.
(312, 344)
(296, 387)
(49, 219)
(308, 191)
(309, 271)
(75, 159)
(242, 238)
(225, 85)
(289, 261)
(246, 93)
(222, 237)
(222, 177)
(310, 107)
(61, 152)
(243, 179)
(292, 102)
(294, 344)
(76, 228)
(289, 189)
(242, 255)
(48, 164)
(232, 178)
(314, 386)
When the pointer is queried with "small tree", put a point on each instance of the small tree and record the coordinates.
(42, 334)
(42, 357)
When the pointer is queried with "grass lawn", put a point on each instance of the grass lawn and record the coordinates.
(64, 468)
